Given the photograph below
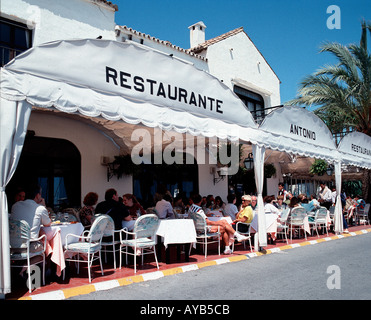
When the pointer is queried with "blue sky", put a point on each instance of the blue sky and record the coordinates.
(287, 32)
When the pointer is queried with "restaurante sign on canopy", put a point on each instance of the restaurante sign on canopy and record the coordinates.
(125, 70)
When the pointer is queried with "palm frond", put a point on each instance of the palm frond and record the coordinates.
(341, 92)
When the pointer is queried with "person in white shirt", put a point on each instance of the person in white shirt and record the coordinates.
(282, 191)
(164, 208)
(325, 196)
(333, 195)
(32, 210)
(231, 208)
(269, 207)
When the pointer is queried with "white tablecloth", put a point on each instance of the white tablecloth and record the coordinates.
(177, 231)
(270, 223)
(228, 219)
(216, 213)
(66, 228)
(56, 236)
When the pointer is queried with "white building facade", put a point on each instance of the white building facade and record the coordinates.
(231, 57)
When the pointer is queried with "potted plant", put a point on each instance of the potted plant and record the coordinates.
(318, 167)
(269, 170)
(123, 165)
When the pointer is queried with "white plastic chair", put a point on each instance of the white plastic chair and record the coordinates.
(282, 227)
(363, 214)
(110, 240)
(20, 243)
(246, 234)
(332, 214)
(296, 220)
(143, 237)
(320, 220)
(202, 235)
(87, 245)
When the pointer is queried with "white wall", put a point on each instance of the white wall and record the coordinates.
(61, 19)
(161, 46)
(92, 145)
(206, 183)
(66, 19)
(244, 61)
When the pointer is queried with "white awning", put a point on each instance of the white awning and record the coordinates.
(125, 83)
(131, 84)
(298, 131)
(128, 82)
(355, 149)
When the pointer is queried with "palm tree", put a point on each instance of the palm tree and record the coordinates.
(342, 91)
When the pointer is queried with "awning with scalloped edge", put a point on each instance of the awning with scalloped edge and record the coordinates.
(127, 82)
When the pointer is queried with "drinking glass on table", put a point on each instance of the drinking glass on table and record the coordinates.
(66, 216)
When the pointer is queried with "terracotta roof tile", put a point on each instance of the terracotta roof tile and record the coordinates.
(163, 42)
(109, 3)
(204, 45)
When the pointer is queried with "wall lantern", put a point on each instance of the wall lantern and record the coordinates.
(219, 174)
(330, 170)
(111, 166)
(249, 162)
(110, 170)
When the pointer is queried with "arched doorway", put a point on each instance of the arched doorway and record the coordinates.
(54, 164)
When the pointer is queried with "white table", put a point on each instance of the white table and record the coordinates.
(270, 223)
(270, 226)
(65, 228)
(216, 213)
(228, 219)
(176, 231)
(56, 236)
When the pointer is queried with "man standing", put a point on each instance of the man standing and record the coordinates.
(325, 196)
(282, 191)
(32, 210)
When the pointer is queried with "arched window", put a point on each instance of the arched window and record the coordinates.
(54, 164)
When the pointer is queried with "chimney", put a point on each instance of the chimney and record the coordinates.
(197, 34)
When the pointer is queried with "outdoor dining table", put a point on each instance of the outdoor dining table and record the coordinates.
(228, 219)
(56, 239)
(270, 226)
(175, 232)
(215, 213)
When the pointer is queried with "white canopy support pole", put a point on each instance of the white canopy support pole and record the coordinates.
(14, 117)
(338, 213)
(259, 153)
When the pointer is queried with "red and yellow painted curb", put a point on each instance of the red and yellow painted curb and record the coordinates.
(105, 285)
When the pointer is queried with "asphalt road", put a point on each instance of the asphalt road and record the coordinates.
(337, 269)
